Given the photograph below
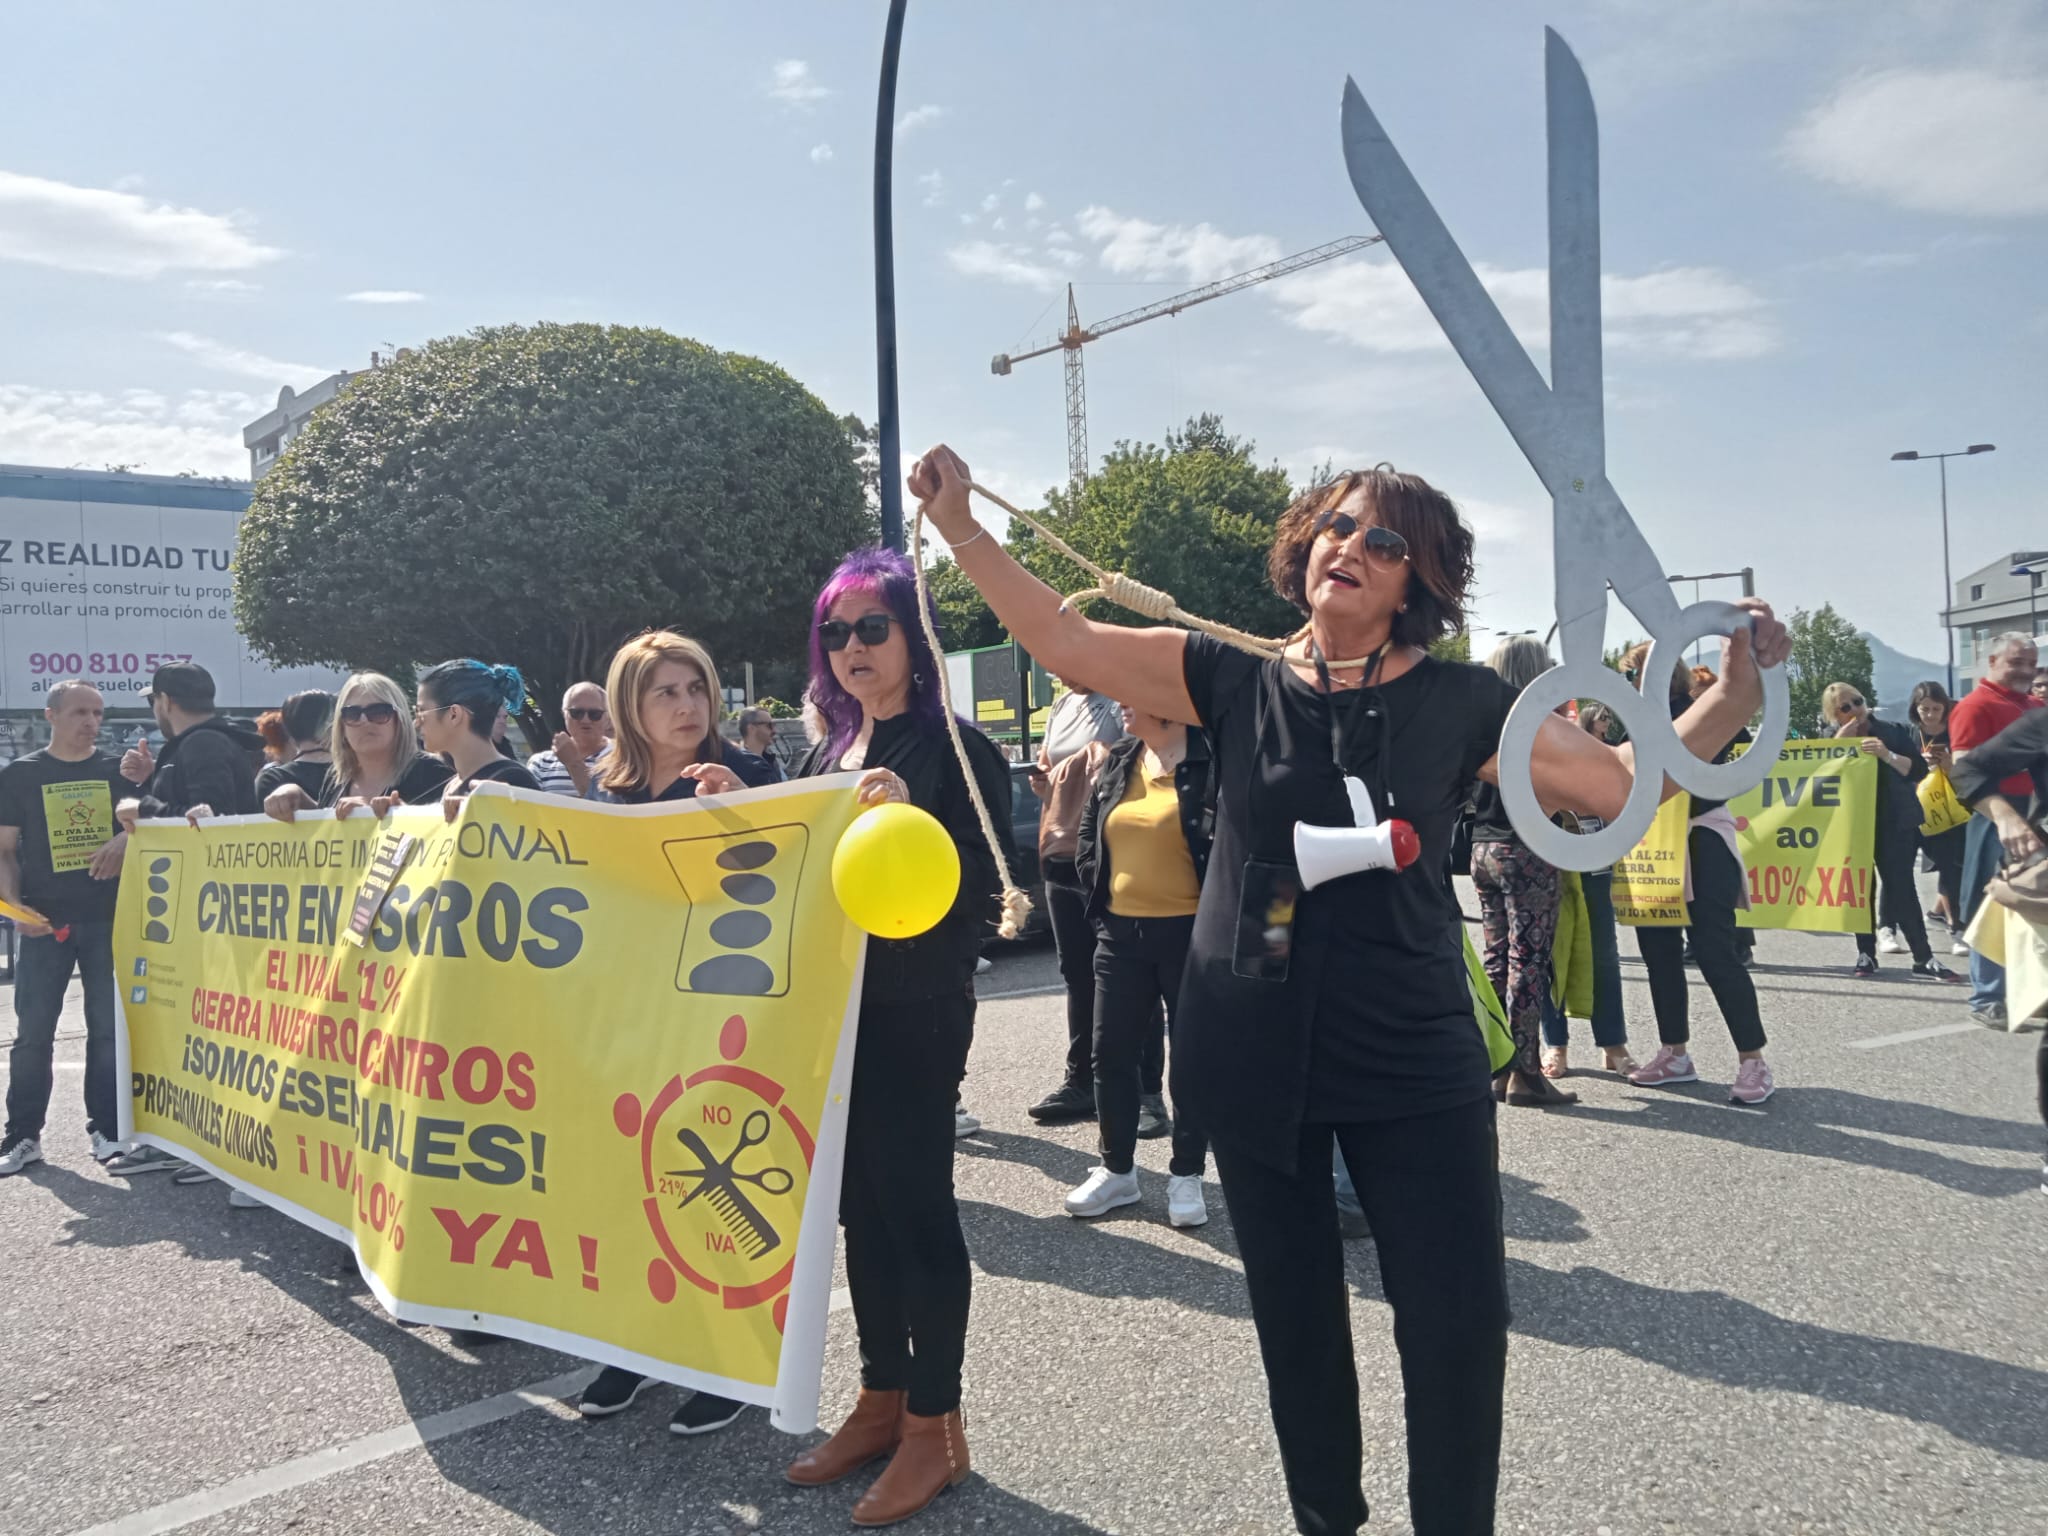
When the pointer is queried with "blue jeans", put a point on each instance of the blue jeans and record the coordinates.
(1982, 854)
(1610, 1026)
(41, 974)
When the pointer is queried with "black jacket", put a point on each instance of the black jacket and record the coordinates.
(205, 765)
(1194, 783)
(940, 962)
(1898, 795)
(2021, 747)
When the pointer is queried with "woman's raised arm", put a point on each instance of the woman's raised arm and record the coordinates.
(1138, 667)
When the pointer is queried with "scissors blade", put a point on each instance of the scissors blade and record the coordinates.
(1451, 289)
(1575, 366)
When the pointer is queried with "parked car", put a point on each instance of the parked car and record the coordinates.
(1024, 815)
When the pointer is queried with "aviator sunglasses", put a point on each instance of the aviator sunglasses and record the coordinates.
(872, 629)
(1383, 547)
(376, 714)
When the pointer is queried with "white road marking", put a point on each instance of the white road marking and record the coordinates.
(1906, 1037)
(990, 997)
(194, 1507)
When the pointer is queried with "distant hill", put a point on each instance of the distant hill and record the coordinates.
(1894, 675)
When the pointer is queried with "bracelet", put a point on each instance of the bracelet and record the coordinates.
(978, 533)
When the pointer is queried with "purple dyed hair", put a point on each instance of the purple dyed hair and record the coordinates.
(888, 576)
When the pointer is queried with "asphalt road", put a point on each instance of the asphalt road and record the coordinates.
(1821, 1316)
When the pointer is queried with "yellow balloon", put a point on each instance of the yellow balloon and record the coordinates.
(895, 871)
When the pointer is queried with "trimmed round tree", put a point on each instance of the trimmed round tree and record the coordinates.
(537, 495)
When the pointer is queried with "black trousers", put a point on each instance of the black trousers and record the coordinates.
(1898, 894)
(1945, 849)
(1716, 946)
(1073, 937)
(1138, 965)
(906, 1257)
(1430, 1187)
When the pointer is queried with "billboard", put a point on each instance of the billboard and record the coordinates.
(107, 576)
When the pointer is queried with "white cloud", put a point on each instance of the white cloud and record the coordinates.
(202, 431)
(384, 296)
(992, 202)
(917, 117)
(117, 234)
(1958, 141)
(792, 84)
(934, 186)
(1065, 255)
(224, 358)
(999, 223)
(1197, 254)
(1033, 203)
(966, 218)
(1680, 311)
(820, 153)
(1005, 263)
(220, 285)
(1058, 236)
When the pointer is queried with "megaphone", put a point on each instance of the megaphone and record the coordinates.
(1328, 853)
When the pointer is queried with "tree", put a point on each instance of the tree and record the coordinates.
(537, 495)
(1456, 647)
(1193, 517)
(866, 443)
(1825, 649)
(966, 622)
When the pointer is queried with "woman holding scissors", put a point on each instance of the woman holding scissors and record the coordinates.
(1343, 1011)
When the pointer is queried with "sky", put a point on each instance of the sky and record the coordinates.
(1823, 231)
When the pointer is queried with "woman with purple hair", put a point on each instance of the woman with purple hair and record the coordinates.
(875, 686)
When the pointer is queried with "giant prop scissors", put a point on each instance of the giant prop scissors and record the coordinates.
(1561, 430)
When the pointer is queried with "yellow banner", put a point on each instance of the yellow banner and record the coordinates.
(577, 1075)
(1807, 836)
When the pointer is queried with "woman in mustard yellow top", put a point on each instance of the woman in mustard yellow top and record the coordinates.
(1144, 845)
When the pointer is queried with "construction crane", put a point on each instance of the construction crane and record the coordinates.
(1076, 336)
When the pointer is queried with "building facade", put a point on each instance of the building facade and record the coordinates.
(2010, 595)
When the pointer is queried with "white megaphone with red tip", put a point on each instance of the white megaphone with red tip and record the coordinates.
(1328, 853)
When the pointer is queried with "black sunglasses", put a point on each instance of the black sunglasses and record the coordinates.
(873, 629)
(376, 714)
(584, 714)
(1383, 546)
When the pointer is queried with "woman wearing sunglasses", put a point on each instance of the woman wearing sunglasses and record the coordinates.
(375, 751)
(1344, 1011)
(665, 703)
(875, 684)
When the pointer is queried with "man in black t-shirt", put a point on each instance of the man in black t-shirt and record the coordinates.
(60, 856)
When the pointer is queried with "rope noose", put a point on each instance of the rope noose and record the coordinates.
(1146, 602)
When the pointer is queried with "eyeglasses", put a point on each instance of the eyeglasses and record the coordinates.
(421, 711)
(873, 629)
(1383, 547)
(379, 713)
(592, 715)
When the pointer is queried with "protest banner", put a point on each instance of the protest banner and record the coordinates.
(564, 1072)
(1808, 839)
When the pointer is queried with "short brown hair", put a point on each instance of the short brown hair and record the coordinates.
(1439, 547)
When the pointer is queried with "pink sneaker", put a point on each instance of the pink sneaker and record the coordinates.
(1752, 1083)
(1669, 1065)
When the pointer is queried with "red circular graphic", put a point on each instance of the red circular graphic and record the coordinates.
(661, 1280)
(782, 1313)
(626, 1114)
(732, 1040)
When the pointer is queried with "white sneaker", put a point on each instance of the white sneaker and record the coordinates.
(1103, 1191)
(1889, 942)
(1185, 1206)
(19, 1155)
(146, 1160)
(192, 1176)
(242, 1201)
(104, 1149)
(964, 1123)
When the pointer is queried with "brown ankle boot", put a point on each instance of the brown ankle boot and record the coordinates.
(932, 1458)
(874, 1428)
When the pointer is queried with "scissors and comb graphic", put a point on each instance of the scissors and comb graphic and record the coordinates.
(1560, 427)
(719, 1180)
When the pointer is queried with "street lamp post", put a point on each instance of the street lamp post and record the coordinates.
(1948, 586)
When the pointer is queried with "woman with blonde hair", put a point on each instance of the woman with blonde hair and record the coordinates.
(665, 703)
(375, 754)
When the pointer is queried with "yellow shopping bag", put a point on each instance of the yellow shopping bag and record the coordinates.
(1938, 803)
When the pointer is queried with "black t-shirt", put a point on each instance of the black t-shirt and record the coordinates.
(502, 770)
(64, 811)
(316, 779)
(752, 771)
(1898, 794)
(1374, 1019)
